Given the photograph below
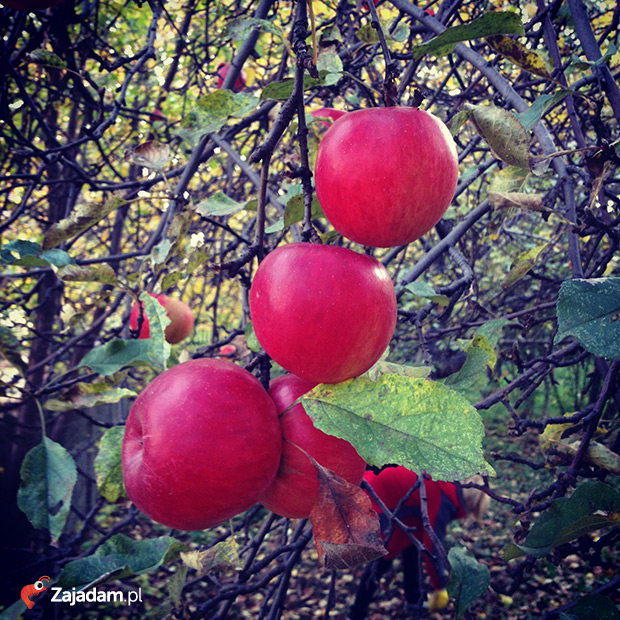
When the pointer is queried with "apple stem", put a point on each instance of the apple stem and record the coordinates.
(390, 89)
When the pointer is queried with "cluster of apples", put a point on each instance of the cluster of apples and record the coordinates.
(205, 441)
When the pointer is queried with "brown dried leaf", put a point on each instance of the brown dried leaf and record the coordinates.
(521, 200)
(346, 528)
(151, 154)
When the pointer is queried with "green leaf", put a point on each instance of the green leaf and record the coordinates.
(119, 557)
(116, 354)
(503, 132)
(160, 252)
(211, 112)
(83, 217)
(489, 24)
(532, 116)
(10, 347)
(469, 579)
(283, 89)
(589, 311)
(251, 339)
(492, 330)
(108, 469)
(92, 273)
(170, 279)
(368, 33)
(46, 58)
(21, 247)
(590, 607)
(294, 212)
(423, 289)
(473, 368)
(584, 65)
(507, 180)
(329, 61)
(522, 265)
(218, 205)
(159, 349)
(420, 424)
(593, 505)
(240, 29)
(48, 476)
(57, 258)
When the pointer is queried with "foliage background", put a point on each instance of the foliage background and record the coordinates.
(125, 168)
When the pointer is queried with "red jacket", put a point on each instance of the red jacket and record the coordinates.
(444, 501)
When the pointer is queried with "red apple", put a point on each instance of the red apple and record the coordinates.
(295, 488)
(30, 5)
(365, 4)
(385, 176)
(180, 315)
(324, 313)
(222, 71)
(202, 443)
(327, 113)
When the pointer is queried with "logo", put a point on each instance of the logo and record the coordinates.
(33, 589)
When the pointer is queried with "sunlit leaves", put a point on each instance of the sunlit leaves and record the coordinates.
(420, 424)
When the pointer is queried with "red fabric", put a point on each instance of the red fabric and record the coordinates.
(444, 504)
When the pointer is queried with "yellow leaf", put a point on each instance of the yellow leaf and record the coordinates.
(518, 54)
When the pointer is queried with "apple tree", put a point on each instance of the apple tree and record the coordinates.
(159, 157)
